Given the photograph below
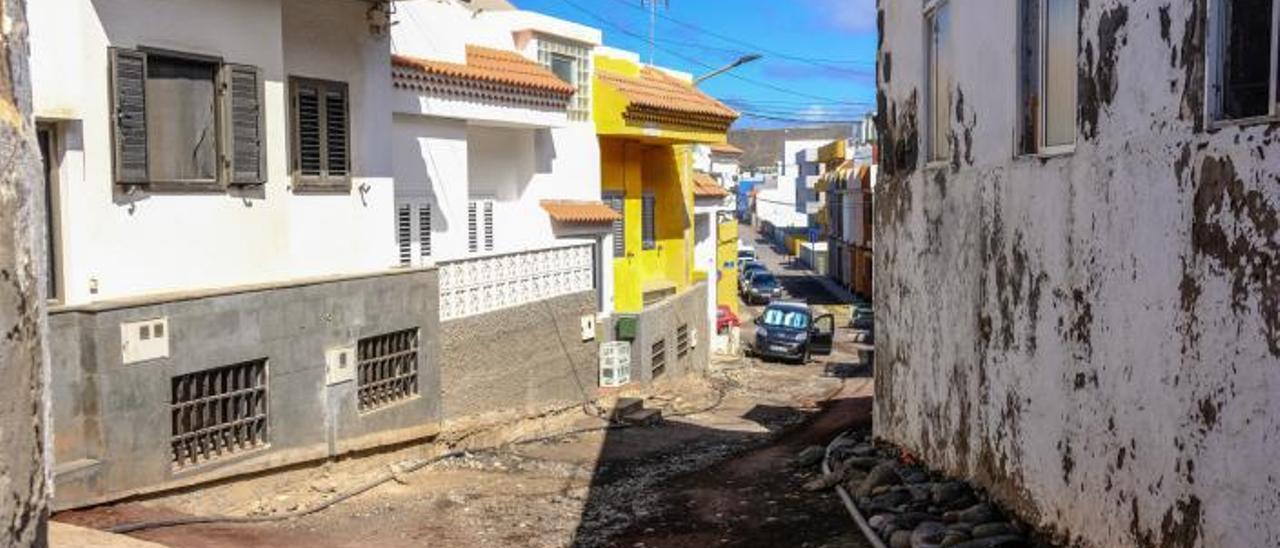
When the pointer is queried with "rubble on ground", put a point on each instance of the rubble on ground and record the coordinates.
(909, 506)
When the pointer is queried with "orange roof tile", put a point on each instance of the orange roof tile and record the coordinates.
(726, 148)
(491, 66)
(580, 211)
(660, 91)
(706, 187)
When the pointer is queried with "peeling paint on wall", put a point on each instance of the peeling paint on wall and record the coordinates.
(1092, 336)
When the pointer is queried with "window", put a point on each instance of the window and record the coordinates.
(480, 225)
(321, 134)
(1245, 59)
(1047, 75)
(616, 202)
(565, 68)
(648, 232)
(564, 58)
(413, 219)
(185, 120)
(218, 412)
(658, 358)
(386, 369)
(939, 81)
(682, 341)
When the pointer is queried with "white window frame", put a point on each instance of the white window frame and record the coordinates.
(931, 8)
(1215, 55)
(1042, 72)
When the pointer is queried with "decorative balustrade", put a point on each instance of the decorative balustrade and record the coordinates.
(470, 287)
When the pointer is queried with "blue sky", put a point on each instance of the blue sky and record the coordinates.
(819, 55)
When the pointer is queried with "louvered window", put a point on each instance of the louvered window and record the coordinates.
(616, 202)
(682, 341)
(321, 134)
(658, 358)
(183, 120)
(480, 225)
(648, 230)
(413, 232)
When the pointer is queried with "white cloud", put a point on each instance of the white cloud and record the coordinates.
(849, 15)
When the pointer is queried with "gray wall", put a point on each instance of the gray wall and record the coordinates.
(520, 358)
(1094, 337)
(660, 321)
(112, 420)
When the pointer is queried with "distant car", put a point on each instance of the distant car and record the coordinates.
(788, 330)
(862, 317)
(746, 253)
(725, 319)
(744, 275)
(743, 262)
(762, 288)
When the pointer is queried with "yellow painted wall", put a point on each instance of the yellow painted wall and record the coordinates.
(608, 105)
(635, 168)
(727, 262)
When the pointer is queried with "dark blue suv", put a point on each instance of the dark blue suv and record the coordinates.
(788, 330)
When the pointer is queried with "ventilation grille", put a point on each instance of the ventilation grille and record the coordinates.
(488, 226)
(218, 412)
(424, 230)
(473, 236)
(682, 341)
(658, 358)
(387, 368)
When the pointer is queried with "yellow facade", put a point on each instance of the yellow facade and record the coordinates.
(727, 262)
(639, 159)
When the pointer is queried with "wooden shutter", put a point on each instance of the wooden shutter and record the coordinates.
(244, 152)
(424, 229)
(129, 111)
(473, 240)
(403, 231)
(488, 225)
(647, 220)
(618, 204)
(308, 156)
(336, 144)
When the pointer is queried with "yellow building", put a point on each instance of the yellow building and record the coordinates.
(645, 119)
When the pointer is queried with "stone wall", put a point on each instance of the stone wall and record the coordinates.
(1092, 336)
(519, 359)
(113, 420)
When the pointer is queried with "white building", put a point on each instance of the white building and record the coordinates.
(496, 159)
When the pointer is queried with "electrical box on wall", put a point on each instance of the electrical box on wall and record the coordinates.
(588, 328)
(144, 340)
(340, 364)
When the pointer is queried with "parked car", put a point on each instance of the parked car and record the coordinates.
(762, 288)
(746, 253)
(744, 275)
(744, 262)
(788, 330)
(725, 319)
(862, 317)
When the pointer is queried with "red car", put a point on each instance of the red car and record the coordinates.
(725, 319)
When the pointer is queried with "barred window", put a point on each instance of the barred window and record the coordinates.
(387, 369)
(218, 412)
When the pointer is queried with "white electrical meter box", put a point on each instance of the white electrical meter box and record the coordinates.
(615, 363)
(340, 364)
(144, 340)
(588, 328)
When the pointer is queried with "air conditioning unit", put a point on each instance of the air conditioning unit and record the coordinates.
(615, 363)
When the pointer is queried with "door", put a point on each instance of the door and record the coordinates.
(44, 134)
(823, 336)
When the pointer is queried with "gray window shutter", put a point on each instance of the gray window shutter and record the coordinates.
(403, 232)
(488, 225)
(336, 143)
(617, 203)
(473, 241)
(649, 232)
(306, 126)
(244, 150)
(129, 110)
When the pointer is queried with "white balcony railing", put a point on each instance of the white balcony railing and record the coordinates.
(470, 287)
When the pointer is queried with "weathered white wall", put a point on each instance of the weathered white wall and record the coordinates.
(1095, 337)
(153, 242)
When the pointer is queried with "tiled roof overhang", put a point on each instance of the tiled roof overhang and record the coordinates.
(726, 148)
(580, 211)
(489, 75)
(706, 187)
(658, 98)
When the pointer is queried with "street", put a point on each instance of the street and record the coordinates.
(718, 471)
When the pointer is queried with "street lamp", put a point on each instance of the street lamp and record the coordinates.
(737, 63)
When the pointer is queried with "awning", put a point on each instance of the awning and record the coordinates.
(580, 212)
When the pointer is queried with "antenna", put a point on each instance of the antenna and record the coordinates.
(653, 23)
